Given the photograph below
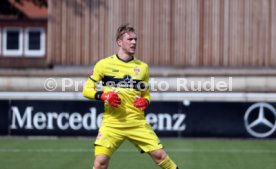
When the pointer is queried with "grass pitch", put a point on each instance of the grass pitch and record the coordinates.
(76, 153)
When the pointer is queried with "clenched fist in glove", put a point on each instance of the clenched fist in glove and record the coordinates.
(141, 103)
(112, 98)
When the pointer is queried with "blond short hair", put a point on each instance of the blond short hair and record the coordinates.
(125, 28)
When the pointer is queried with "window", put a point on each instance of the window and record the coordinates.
(14, 37)
(12, 42)
(34, 42)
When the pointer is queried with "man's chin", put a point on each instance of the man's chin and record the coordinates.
(131, 52)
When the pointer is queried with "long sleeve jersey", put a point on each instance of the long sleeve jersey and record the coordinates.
(129, 79)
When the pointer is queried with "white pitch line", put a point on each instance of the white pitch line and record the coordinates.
(248, 151)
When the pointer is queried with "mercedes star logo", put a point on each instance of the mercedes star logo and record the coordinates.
(127, 78)
(260, 120)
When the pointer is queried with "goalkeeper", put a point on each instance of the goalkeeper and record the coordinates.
(126, 95)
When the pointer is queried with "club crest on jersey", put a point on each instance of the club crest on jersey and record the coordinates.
(99, 136)
(136, 70)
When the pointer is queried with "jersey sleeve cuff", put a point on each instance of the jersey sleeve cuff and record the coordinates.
(92, 79)
(98, 95)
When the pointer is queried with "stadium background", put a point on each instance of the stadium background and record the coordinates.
(47, 52)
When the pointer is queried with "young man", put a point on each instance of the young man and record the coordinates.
(126, 96)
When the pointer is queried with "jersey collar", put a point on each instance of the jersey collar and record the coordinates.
(126, 61)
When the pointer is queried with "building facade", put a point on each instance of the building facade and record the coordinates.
(184, 33)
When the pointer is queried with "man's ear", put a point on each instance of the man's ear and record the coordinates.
(119, 42)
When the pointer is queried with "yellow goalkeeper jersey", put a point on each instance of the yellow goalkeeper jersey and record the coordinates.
(129, 79)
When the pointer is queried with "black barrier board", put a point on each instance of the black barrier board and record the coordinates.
(166, 118)
(55, 118)
(230, 119)
(4, 117)
(170, 119)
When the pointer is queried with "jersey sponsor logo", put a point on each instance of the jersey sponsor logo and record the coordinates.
(260, 120)
(127, 78)
(125, 82)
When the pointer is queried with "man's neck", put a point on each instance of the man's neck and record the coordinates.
(123, 56)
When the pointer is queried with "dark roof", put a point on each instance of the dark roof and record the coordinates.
(29, 9)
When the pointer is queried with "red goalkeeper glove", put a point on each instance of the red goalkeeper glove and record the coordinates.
(112, 98)
(141, 103)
